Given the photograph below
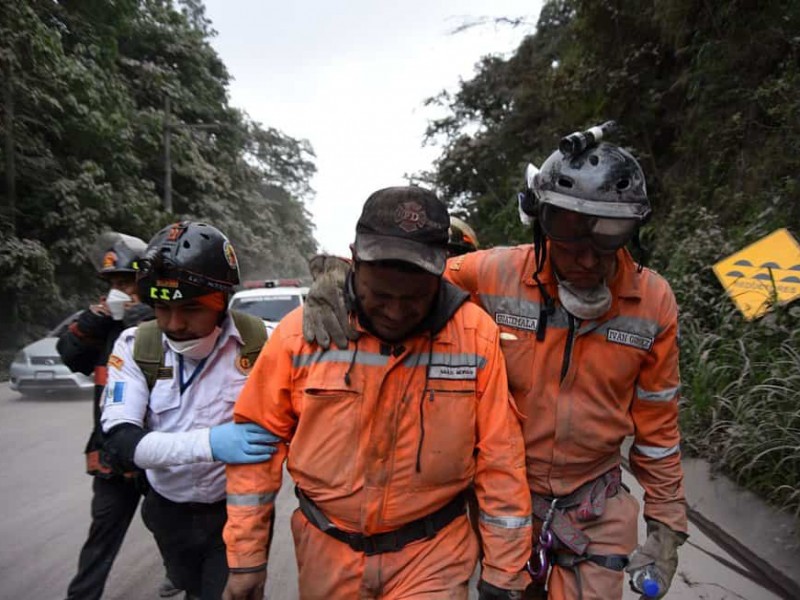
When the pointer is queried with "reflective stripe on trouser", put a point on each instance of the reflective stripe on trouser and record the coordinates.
(434, 569)
(614, 532)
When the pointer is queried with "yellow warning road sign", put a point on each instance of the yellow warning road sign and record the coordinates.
(765, 272)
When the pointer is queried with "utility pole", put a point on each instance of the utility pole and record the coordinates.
(167, 137)
(11, 175)
(9, 320)
(167, 158)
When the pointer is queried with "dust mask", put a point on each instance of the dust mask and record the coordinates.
(196, 349)
(116, 301)
(585, 304)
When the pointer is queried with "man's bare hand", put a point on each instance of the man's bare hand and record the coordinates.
(245, 586)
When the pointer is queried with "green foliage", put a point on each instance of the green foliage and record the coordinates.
(88, 83)
(706, 94)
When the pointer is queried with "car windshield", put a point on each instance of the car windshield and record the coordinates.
(269, 308)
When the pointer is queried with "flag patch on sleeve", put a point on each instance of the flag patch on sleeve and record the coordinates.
(115, 393)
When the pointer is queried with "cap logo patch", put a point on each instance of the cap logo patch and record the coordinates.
(230, 255)
(109, 260)
(410, 216)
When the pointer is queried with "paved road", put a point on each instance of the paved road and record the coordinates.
(45, 499)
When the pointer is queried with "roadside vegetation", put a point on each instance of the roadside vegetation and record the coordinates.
(91, 95)
(706, 95)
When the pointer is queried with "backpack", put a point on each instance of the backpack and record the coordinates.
(148, 351)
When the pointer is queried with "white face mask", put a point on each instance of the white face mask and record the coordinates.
(196, 349)
(585, 304)
(116, 301)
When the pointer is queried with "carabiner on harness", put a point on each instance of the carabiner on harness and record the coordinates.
(539, 563)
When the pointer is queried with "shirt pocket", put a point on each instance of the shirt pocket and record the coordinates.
(324, 447)
(164, 405)
(446, 449)
(519, 356)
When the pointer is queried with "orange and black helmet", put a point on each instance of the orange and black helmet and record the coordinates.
(185, 260)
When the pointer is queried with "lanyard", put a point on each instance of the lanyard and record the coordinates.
(195, 373)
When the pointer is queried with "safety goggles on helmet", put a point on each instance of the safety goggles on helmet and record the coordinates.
(603, 234)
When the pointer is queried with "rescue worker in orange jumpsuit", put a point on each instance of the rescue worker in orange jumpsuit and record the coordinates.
(591, 346)
(385, 436)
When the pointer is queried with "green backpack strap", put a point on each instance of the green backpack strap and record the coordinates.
(254, 336)
(148, 351)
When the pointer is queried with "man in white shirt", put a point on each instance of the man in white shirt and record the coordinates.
(168, 404)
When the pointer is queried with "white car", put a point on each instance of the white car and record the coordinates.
(270, 304)
(38, 368)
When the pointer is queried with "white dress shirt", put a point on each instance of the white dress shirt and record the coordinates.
(177, 455)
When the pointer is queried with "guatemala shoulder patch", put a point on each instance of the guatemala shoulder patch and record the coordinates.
(116, 362)
(115, 393)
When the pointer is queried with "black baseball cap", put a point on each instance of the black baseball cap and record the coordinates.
(409, 224)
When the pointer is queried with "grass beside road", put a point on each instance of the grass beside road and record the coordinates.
(741, 401)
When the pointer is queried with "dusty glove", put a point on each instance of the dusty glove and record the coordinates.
(660, 549)
(487, 591)
(325, 314)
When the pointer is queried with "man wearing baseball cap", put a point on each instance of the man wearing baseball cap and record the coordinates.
(385, 436)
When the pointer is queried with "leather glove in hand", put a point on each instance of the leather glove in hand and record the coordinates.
(487, 591)
(660, 549)
(325, 315)
(242, 443)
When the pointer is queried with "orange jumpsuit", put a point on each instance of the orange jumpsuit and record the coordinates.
(583, 389)
(379, 436)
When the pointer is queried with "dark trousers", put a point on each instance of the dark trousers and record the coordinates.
(189, 535)
(114, 503)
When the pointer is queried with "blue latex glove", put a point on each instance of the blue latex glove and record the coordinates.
(242, 443)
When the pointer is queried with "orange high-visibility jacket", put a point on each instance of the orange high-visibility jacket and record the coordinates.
(588, 384)
(381, 435)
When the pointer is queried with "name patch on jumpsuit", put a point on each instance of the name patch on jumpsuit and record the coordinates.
(453, 372)
(626, 338)
(516, 321)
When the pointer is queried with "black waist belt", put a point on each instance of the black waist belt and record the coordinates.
(391, 541)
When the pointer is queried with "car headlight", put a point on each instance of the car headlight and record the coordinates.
(21, 357)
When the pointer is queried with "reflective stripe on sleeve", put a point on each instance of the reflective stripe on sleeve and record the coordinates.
(656, 451)
(506, 522)
(660, 396)
(251, 499)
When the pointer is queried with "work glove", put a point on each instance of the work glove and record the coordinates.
(660, 550)
(487, 591)
(242, 443)
(325, 314)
